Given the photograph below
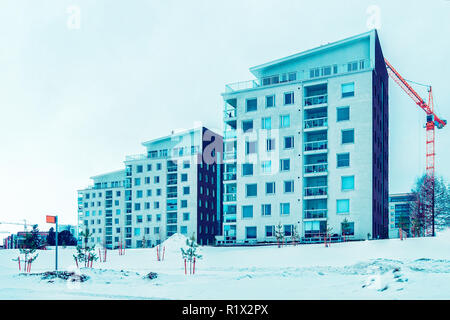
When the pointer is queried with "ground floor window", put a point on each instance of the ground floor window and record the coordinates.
(250, 232)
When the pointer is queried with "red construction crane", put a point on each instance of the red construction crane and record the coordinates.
(432, 121)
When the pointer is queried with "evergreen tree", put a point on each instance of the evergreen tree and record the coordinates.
(295, 235)
(279, 234)
(29, 246)
(51, 237)
(189, 252)
(86, 254)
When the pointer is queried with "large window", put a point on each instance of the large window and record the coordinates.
(270, 144)
(348, 228)
(289, 98)
(343, 113)
(250, 232)
(348, 136)
(247, 125)
(343, 160)
(251, 190)
(343, 206)
(266, 210)
(250, 147)
(251, 105)
(285, 208)
(289, 186)
(266, 166)
(285, 121)
(270, 187)
(289, 142)
(266, 123)
(270, 101)
(285, 164)
(348, 183)
(247, 169)
(270, 231)
(348, 90)
(247, 212)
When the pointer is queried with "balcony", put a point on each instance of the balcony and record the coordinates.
(227, 197)
(315, 100)
(243, 85)
(316, 123)
(229, 114)
(171, 182)
(316, 145)
(229, 176)
(230, 218)
(318, 191)
(316, 168)
(229, 155)
(315, 213)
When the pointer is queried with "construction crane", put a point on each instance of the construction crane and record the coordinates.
(432, 121)
(24, 224)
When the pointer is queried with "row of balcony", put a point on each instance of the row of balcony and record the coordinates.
(307, 214)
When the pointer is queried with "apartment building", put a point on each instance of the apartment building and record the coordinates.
(175, 187)
(306, 145)
(400, 205)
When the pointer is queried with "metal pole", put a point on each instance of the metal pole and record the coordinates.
(56, 244)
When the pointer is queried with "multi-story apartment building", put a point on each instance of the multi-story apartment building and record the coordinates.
(175, 187)
(400, 205)
(306, 145)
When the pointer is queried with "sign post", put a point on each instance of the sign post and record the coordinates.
(54, 219)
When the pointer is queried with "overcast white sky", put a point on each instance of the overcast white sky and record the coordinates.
(74, 102)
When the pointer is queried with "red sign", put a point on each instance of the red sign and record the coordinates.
(50, 219)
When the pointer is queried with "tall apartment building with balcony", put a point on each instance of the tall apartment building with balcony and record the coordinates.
(176, 186)
(306, 145)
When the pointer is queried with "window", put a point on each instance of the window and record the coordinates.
(251, 190)
(289, 98)
(117, 193)
(348, 183)
(270, 101)
(186, 190)
(343, 113)
(137, 181)
(270, 231)
(266, 123)
(266, 210)
(247, 169)
(137, 232)
(348, 136)
(156, 204)
(343, 160)
(137, 206)
(352, 66)
(288, 230)
(147, 205)
(158, 166)
(184, 203)
(139, 194)
(348, 228)
(343, 206)
(186, 164)
(270, 144)
(149, 218)
(139, 219)
(158, 192)
(147, 180)
(247, 212)
(348, 90)
(289, 186)
(270, 187)
(285, 164)
(149, 192)
(183, 230)
(285, 208)
(139, 168)
(186, 216)
(250, 147)
(289, 142)
(285, 121)
(149, 167)
(156, 179)
(266, 166)
(184, 177)
(250, 232)
(251, 105)
(247, 125)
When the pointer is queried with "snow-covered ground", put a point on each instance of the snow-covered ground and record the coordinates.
(417, 268)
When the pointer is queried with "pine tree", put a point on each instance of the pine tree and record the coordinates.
(279, 234)
(189, 253)
(86, 254)
(29, 246)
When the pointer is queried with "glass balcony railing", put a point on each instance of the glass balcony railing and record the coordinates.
(315, 213)
(316, 191)
(171, 182)
(313, 100)
(229, 197)
(316, 145)
(230, 218)
(314, 123)
(230, 155)
(316, 168)
(229, 176)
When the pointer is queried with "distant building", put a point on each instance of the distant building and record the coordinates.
(399, 213)
(175, 187)
(15, 241)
